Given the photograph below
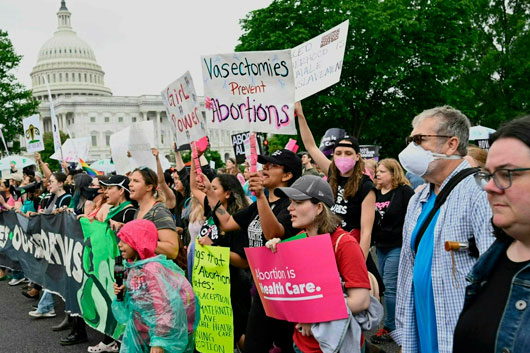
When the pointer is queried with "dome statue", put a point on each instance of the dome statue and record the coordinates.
(68, 63)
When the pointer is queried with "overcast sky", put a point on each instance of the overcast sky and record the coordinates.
(141, 45)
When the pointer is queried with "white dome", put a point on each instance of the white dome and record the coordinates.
(68, 63)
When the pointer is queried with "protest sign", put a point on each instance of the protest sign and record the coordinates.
(33, 133)
(250, 91)
(55, 125)
(183, 110)
(131, 148)
(73, 150)
(3, 139)
(211, 283)
(317, 63)
(241, 143)
(290, 288)
(328, 140)
(72, 259)
(370, 151)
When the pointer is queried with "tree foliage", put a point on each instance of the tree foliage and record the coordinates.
(405, 56)
(49, 149)
(15, 101)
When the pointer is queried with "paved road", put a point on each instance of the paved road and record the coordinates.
(19, 333)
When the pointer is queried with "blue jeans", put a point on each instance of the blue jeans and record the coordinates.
(388, 259)
(18, 274)
(46, 303)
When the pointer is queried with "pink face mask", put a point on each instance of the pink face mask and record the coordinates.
(344, 165)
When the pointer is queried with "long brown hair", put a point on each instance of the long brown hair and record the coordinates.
(327, 221)
(353, 183)
(395, 169)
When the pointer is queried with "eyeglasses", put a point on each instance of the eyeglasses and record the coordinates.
(418, 139)
(501, 177)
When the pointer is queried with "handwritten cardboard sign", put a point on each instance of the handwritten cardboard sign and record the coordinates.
(73, 150)
(33, 133)
(250, 91)
(183, 110)
(211, 284)
(300, 279)
(317, 63)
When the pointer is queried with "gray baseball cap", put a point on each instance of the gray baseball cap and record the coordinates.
(308, 187)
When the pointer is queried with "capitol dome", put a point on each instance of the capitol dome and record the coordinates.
(68, 63)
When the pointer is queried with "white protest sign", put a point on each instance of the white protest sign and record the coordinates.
(33, 133)
(73, 150)
(250, 91)
(135, 141)
(317, 63)
(183, 110)
(55, 125)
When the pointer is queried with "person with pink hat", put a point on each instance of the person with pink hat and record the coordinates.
(159, 308)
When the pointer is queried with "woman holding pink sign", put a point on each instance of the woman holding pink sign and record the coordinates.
(310, 209)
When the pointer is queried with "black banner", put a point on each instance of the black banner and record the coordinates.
(48, 248)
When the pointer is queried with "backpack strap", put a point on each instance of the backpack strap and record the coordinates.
(440, 199)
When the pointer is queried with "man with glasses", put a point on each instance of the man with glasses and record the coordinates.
(431, 281)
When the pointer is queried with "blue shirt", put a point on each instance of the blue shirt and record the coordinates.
(422, 281)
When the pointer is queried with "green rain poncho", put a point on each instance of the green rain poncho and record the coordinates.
(159, 307)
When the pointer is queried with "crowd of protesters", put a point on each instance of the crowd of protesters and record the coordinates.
(451, 239)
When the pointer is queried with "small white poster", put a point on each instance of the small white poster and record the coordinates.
(317, 63)
(250, 91)
(33, 134)
(73, 150)
(183, 110)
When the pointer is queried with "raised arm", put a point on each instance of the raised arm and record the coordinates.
(179, 163)
(196, 192)
(309, 142)
(171, 200)
(45, 169)
(269, 223)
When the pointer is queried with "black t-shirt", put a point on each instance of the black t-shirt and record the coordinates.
(477, 327)
(248, 220)
(350, 210)
(390, 212)
(125, 215)
(63, 200)
(235, 240)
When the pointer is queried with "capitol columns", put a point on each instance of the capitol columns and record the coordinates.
(158, 130)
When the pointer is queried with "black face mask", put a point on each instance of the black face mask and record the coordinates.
(90, 193)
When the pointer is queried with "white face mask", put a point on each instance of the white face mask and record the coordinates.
(416, 160)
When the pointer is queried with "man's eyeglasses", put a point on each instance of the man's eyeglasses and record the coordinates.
(501, 177)
(418, 139)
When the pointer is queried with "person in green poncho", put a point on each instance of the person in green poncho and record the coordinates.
(121, 212)
(159, 308)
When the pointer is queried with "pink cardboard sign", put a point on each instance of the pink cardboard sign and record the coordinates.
(300, 282)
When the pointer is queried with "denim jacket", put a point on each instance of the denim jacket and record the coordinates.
(513, 335)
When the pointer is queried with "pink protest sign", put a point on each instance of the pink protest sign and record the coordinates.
(298, 281)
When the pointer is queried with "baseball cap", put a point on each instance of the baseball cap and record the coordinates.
(286, 158)
(306, 188)
(353, 140)
(117, 180)
(16, 177)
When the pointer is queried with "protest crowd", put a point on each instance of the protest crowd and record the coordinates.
(452, 256)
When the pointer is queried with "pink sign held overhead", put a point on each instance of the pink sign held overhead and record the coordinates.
(298, 281)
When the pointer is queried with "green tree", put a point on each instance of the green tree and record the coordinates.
(15, 101)
(49, 150)
(211, 155)
(402, 57)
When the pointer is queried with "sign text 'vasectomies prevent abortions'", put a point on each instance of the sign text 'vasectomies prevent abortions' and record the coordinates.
(300, 279)
(250, 91)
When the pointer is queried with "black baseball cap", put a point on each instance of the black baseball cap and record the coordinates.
(306, 188)
(117, 180)
(354, 142)
(286, 158)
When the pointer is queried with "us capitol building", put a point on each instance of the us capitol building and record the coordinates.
(85, 107)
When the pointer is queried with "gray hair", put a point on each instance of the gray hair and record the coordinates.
(451, 122)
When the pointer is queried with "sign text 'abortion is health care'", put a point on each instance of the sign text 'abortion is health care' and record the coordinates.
(300, 279)
(250, 91)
